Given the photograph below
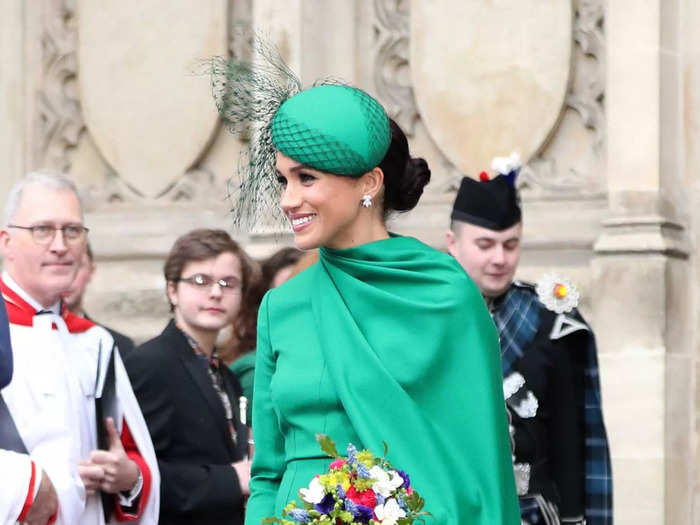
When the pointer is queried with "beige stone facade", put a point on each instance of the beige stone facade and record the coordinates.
(602, 100)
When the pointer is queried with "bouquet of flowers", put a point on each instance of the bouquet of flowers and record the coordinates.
(357, 489)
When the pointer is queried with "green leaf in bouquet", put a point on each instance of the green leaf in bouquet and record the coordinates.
(270, 521)
(386, 449)
(327, 445)
(404, 521)
(414, 502)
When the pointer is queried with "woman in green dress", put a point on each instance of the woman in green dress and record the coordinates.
(384, 339)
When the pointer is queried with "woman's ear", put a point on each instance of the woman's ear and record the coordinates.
(371, 182)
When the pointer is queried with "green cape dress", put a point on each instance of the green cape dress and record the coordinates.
(389, 342)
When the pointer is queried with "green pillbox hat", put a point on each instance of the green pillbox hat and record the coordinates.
(333, 128)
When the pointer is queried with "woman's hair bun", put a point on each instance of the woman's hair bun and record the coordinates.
(410, 185)
(404, 176)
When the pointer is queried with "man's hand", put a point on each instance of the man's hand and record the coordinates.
(91, 475)
(45, 504)
(120, 472)
(243, 472)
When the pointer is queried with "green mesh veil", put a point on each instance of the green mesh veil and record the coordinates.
(331, 127)
(247, 94)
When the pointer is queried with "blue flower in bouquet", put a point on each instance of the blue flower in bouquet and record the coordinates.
(362, 471)
(361, 513)
(352, 454)
(340, 491)
(325, 506)
(299, 515)
(405, 477)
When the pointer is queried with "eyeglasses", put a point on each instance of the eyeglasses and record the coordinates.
(45, 233)
(203, 282)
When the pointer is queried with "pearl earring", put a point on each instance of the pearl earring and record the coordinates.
(367, 201)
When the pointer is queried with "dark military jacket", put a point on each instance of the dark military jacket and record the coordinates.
(561, 457)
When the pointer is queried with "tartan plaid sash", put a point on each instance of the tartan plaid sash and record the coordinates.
(517, 317)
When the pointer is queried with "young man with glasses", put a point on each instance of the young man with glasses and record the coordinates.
(69, 403)
(189, 397)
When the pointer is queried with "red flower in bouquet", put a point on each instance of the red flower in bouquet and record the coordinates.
(366, 497)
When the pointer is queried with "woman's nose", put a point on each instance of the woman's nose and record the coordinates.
(290, 198)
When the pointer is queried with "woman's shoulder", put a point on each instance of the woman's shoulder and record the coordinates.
(439, 263)
(292, 292)
(243, 363)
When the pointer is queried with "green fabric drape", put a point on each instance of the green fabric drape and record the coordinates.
(244, 368)
(412, 355)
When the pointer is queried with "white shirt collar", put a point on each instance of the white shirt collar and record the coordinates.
(10, 282)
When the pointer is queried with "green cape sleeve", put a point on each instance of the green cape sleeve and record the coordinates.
(414, 356)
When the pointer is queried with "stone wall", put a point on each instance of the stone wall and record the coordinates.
(599, 98)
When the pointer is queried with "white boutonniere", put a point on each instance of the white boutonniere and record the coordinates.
(557, 293)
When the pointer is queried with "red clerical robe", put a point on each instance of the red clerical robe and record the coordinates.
(60, 366)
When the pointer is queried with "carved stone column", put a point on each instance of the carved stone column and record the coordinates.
(641, 294)
(11, 92)
(691, 184)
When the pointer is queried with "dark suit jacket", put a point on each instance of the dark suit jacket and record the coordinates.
(5, 348)
(187, 422)
(124, 343)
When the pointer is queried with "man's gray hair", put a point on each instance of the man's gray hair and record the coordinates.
(50, 179)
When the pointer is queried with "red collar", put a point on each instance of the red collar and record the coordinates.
(22, 313)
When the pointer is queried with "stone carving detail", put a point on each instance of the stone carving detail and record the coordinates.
(545, 174)
(196, 185)
(391, 78)
(59, 121)
(240, 28)
(588, 99)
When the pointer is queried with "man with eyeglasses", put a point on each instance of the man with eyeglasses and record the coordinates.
(69, 413)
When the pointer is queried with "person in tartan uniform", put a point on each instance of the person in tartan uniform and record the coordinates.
(561, 457)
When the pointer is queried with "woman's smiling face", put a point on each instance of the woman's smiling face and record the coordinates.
(322, 208)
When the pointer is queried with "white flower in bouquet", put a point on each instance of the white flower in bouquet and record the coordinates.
(314, 494)
(386, 482)
(390, 512)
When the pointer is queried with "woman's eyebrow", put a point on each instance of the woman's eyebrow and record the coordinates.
(299, 167)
